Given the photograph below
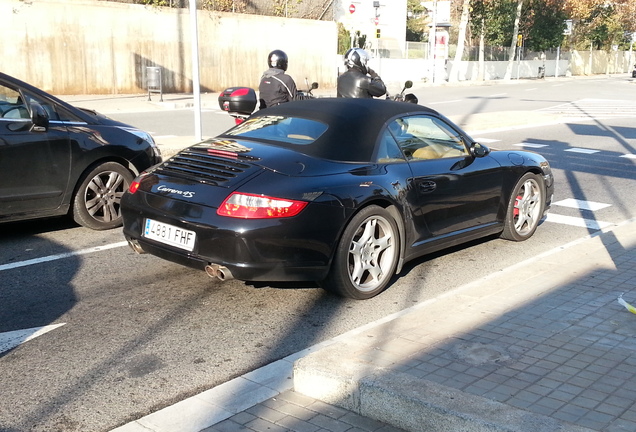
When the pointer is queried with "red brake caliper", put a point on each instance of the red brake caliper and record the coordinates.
(517, 201)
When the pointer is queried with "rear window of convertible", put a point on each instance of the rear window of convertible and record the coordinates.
(292, 130)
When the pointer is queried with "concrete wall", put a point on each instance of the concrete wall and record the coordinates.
(83, 47)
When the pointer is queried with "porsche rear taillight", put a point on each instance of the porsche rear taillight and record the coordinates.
(250, 206)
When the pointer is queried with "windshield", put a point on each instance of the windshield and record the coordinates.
(293, 130)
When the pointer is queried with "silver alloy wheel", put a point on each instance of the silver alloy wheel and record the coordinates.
(103, 196)
(372, 253)
(97, 202)
(528, 207)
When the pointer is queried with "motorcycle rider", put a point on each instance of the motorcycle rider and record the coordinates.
(359, 81)
(276, 87)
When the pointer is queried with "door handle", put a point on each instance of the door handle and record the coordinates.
(427, 186)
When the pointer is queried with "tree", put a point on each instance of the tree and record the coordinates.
(463, 23)
(513, 45)
(545, 23)
(416, 21)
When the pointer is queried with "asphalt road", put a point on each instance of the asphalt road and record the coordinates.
(137, 333)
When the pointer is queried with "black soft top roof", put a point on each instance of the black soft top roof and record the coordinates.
(354, 124)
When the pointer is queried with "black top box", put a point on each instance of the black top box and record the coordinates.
(240, 100)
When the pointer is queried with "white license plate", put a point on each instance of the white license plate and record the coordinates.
(170, 234)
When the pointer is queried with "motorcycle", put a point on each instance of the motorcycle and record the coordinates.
(240, 102)
(307, 94)
(401, 97)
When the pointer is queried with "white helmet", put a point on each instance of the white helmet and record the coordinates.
(357, 57)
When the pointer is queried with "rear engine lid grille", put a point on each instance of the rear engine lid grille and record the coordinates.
(206, 164)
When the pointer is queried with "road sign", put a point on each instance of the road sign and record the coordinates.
(376, 20)
(352, 8)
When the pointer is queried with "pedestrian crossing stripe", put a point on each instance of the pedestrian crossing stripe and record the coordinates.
(582, 150)
(581, 204)
(577, 221)
(530, 145)
(592, 108)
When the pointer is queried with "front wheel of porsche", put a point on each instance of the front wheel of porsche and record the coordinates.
(525, 208)
(366, 257)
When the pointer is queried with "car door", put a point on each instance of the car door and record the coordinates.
(451, 192)
(35, 162)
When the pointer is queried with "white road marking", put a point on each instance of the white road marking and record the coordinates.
(61, 256)
(530, 145)
(581, 204)
(12, 339)
(486, 140)
(629, 156)
(577, 222)
(582, 150)
(445, 102)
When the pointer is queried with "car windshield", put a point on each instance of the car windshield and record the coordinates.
(293, 130)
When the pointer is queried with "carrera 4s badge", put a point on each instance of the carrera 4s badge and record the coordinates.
(166, 189)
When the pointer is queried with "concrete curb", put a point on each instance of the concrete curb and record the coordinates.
(412, 404)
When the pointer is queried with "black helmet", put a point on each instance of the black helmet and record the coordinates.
(277, 59)
(357, 57)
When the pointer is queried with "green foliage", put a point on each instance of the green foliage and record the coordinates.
(284, 8)
(416, 21)
(546, 25)
(344, 39)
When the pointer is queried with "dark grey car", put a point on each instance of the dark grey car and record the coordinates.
(56, 159)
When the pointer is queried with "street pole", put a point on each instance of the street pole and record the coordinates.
(433, 41)
(196, 85)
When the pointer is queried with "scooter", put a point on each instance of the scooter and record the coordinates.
(401, 97)
(240, 102)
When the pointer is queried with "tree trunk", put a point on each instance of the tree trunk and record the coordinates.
(454, 73)
(513, 45)
(482, 44)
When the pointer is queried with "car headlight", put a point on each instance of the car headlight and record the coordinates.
(144, 136)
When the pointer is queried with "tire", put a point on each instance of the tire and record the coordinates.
(97, 200)
(366, 256)
(525, 208)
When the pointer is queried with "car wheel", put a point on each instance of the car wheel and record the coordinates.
(366, 256)
(525, 208)
(98, 198)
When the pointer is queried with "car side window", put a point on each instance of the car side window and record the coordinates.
(50, 108)
(426, 137)
(11, 104)
(389, 150)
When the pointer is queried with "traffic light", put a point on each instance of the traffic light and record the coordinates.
(377, 33)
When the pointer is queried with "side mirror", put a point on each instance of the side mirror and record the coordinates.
(408, 84)
(479, 150)
(39, 118)
(314, 85)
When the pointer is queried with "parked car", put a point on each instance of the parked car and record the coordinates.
(338, 191)
(57, 159)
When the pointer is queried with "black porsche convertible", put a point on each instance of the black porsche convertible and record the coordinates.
(338, 191)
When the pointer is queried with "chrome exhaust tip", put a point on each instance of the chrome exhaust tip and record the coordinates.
(219, 272)
(135, 246)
